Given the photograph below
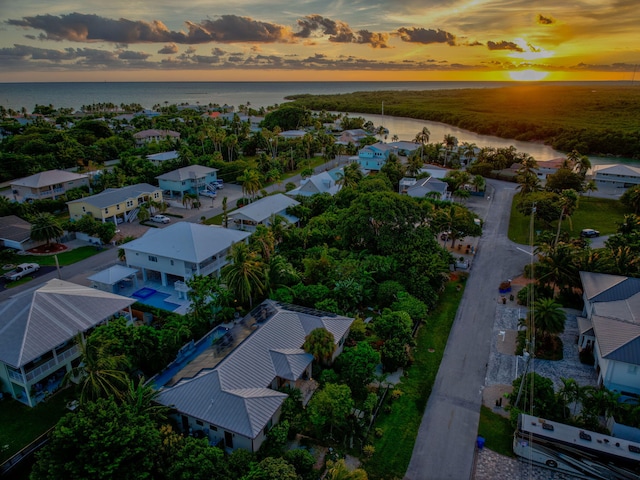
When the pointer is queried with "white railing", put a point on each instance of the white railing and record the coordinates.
(15, 376)
(51, 364)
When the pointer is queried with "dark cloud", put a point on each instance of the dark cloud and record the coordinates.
(542, 20)
(503, 45)
(169, 49)
(33, 53)
(190, 50)
(339, 32)
(129, 55)
(217, 51)
(80, 27)
(426, 36)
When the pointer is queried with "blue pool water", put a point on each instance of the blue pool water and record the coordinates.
(158, 300)
(186, 355)
(144, 292)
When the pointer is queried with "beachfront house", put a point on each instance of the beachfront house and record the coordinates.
(154, 136)
(615, 176)
(237, 402)
(191, 179)
(373, 157)
(610, 327)
(115, 204)
(320, 183)
(174, 254)
(261, 212)
(51, 184)
(37, 330)
(16, 233)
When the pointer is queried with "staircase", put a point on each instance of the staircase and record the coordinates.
(132, 215)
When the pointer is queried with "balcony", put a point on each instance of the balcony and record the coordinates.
(50, 365)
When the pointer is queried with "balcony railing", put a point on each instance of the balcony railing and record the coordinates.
(51, 364)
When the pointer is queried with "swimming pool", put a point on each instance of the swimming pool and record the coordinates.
(158, 300)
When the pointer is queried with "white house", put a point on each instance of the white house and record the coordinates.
(610, 325)
(237, 402)
(153, 135)
(616, 176)
(261, 211)
(321, 183)
(181, 250)
(425, 187)
(37, 331)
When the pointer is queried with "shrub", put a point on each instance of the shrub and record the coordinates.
(368, 450)
(586, 357)
(379, 432)
(396, 394)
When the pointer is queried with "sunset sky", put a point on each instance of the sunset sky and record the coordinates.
(318, 40)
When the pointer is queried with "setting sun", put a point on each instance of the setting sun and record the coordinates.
(528, 75)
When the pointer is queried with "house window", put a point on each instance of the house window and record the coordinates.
(171, 262)
(106, 211)
(213, 428)
(199, 422)
(129, 203)
(155, 195)
(84, 209)
(118, 207)
(633, 369)
(153, 258)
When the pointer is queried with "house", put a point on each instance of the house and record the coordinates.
(352, 136)
(373, 157)
(237, 402)
(435, 171)
(115, 204)
(261, 211)
(159, 158)
(548, 167)
(37, 331)
(615, 176)
(152, 135)
(425, 187)
(610, 326)
(181, 250)
(321, 183)
(16, 233)
(51, 184)
(292, 134)
(191, 179)
(405, 148)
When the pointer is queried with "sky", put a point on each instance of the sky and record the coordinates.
(318, 40)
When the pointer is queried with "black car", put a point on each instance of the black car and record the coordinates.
(589, 233)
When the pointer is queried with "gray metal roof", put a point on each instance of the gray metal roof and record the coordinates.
(601, 287)
(163, 156)
(15, 229)
(617, 339)
(113, 274)
(585, 327)
(262, 209)
(44, 179)
(190, 242)
(113, 196)
(34, 323)
(234, 395)
(187, 173)
(627, 309)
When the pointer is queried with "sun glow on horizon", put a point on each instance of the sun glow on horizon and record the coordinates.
(528, 75)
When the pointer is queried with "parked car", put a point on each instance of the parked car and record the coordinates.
(160, 219)
(219, 184)
(207, 193)
(22, 270)
(589, 233)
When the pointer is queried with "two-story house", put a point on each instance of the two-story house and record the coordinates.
(50, 184)
(191, 179)
(615, 176)
(181, 250)
(262, 211)
(153, 135)
(37, 330)
(236, 403)
(115, 204)
(322, 182)
(373, 157)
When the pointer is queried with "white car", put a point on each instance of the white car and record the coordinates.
(160, 219)
(207, 193)
(22, 270)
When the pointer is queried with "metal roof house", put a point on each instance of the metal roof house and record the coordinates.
(153, 135)
(50, 184)
(189, 179)
(373, 157)
(616, 175)
(610, 325)
(261, 211)
(16, 233)
(425, 187)
(37, 331)
(321, 183)
(181, 250)
(237, 401)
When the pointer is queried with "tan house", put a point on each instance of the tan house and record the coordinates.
(50, 184)
(115, 204)
(153, 135)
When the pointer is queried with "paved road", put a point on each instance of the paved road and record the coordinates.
(445, 444)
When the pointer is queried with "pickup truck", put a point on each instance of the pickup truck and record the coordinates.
(22, 270)
(160, 219)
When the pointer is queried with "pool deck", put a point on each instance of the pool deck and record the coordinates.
(129, 290)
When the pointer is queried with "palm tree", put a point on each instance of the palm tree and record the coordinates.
(422, 137)
(250, 181)
(569, 202)
(570, 393)
(245, 274)
(264, 241)
(189, 199)
(557, 265)
(350, 176)
(225, 216)
(450, 142)
(45, 227)
(143, 400)
(321, 344)
(100, 373)
(479, 183)
(548, 317)
(590, 186)
(468, 151)
(143, 214)
(338, 470)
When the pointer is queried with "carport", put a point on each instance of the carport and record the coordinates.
(115, 278)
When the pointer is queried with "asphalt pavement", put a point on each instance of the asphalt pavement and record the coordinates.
(446, 440)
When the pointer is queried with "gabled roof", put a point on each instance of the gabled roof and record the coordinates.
(617, 169)
(262, 209)
(617, 340)
(163, 156)
(585, 327)
(32, 324)
(381, 147)
(15, 229)
(113, 196)
(234, 395)
(426, 185)
(186, 241)
(319, 183)
(601, 287)
(627, 309)
(552, 163)
(187, 173)
(44, 179)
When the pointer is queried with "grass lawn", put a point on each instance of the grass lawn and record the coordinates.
(394, 449)
(603, 214)
(64, 258)
(497, 432)
(21, 425)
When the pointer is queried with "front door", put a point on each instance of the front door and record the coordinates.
(228, 439)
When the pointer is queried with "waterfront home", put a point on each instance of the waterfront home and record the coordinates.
(51, 184)
(115, 204)
(610, 327)
(352, 136)
(373, 157)
(16, 233)
(153, 135)
(545, 168)
(262, 211)
(159, 158)
(191, 179)
(405, 148)
(237, 402)
(181, 250)
(615, 176)
(37, 331)
(320, 183)
(425, 187)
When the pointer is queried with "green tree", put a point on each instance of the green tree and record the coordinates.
(631, 198)
(330, 406)
(245, 275)
(351, 176)
(45, 227)
(321, 344)
(549, 317)
(564, 179)
(102, 440)
(196, 460)
(272, 469)
(250, 181)
(338, 470)
(357, 367)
